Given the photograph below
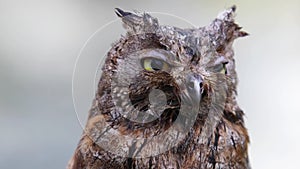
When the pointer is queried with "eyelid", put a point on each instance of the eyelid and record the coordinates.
(221, 60)
(165, 67)
(153, 54)
(221, 68)
(152, 58)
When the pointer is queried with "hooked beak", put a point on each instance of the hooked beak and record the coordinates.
(194, 86)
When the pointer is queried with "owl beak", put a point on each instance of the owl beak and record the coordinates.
(194, 85)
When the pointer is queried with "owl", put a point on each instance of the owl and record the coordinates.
(167, 98)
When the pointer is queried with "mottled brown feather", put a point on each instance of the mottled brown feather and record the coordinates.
(217, 139)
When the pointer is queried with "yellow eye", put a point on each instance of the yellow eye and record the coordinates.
(152, 64)
(224, 69)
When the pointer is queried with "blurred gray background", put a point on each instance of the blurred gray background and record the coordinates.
(40, 41)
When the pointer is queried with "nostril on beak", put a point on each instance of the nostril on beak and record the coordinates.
(201, 85)
(194, 81)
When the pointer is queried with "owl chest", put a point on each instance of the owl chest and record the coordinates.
(225, 148)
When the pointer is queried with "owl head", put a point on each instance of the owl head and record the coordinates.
(159, 77)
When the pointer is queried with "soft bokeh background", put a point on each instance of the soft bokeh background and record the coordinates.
(40, 40)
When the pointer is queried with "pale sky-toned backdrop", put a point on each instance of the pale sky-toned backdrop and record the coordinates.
(40, 41)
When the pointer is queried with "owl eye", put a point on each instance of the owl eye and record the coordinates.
(152, 64)
(221, 68)
(224, 69)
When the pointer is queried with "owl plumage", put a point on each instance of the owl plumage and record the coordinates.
(167, 99)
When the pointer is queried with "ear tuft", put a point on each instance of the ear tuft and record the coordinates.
(137, 23)
(120, 13)
(233, 8)
(228, 14)
(243, 34)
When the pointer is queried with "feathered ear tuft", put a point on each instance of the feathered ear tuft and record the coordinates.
(120, 13)
(224, 30)
(228, 15)
(137, 23)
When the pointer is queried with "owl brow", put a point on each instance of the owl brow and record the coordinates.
(158, 54)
